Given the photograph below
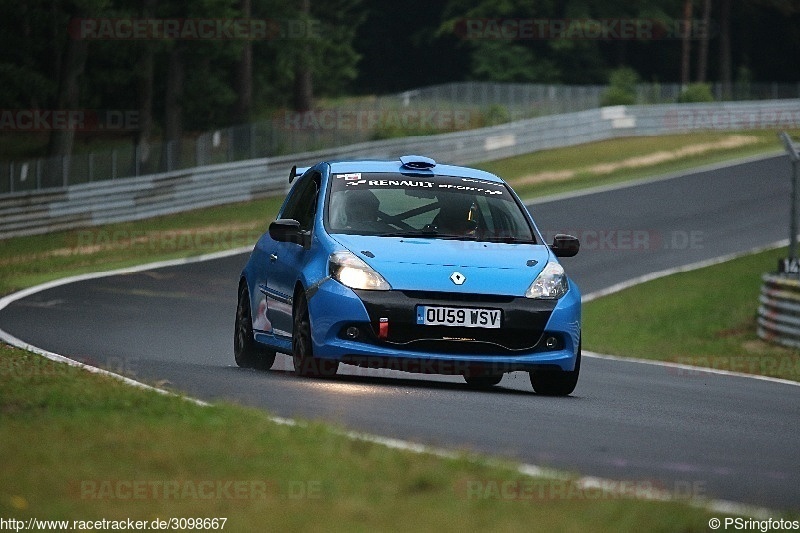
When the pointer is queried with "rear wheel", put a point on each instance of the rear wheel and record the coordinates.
(245, 350)
(305, 364)
(556, 382)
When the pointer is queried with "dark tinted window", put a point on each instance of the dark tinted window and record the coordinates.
(302, 202)
(443, 206)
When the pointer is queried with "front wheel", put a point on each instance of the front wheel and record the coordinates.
(305, 364)
(556, 382)
(484, 381)
(245, 351)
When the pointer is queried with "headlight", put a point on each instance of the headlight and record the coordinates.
(550, 284)
(352, 272)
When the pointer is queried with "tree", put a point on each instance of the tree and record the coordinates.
(28, 67)
(705, 36)
(145, 80)
(173, 108)
(725, 69)
(686, 40)
(303, 84)
(495, 56)
(72, 67)
(244, 73)
(71, 60)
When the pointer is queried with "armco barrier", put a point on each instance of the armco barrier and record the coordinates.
(126, 199)
(779, 312)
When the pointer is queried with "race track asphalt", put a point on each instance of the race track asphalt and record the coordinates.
(690, 433)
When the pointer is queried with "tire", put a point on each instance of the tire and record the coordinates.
(556, 382)
(483, 382)
(305, 364)
(245, 350)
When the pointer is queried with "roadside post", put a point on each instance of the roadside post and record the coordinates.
(790, 264)
(779, 303)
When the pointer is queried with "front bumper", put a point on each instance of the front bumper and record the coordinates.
(534, 334)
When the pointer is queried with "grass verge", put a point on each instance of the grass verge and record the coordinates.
(705, 317)
(27, 261)
(87, 447)
(79, 446)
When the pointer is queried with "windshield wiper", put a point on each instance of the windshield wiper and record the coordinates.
(508, 240)
(425, 234)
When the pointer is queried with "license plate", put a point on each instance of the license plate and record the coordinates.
(428, 315)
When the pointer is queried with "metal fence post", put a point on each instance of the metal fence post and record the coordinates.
(252, 138)
(198, 151)
(791, 149)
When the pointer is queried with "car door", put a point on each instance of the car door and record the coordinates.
(286, 259)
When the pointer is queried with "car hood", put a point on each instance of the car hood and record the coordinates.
(428, 264)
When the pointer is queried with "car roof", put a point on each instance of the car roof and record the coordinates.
(377, 166)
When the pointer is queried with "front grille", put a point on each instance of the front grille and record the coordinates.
(523, 323)
(425, 296)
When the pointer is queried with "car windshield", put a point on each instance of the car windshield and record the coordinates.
(397, 205)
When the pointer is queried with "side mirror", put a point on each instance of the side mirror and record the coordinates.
(565, 245)
(288, 230)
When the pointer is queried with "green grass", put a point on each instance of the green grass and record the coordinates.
(705, 317)
(27, 261)
(76, 444)
(62, 429)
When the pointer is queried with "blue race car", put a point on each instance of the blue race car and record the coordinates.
(414, 266)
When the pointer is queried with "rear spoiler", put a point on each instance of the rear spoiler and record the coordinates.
(296, 172)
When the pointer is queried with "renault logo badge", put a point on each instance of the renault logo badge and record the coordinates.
(458, 278)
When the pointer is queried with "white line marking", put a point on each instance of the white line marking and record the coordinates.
(14, 341)
(695, 370)
(685, 268)
(676, 270)
(523, 468)
(531, 470)
(24, 293)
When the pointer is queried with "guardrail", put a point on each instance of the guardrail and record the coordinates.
(126, 199)
(779, 310)
(446, 107)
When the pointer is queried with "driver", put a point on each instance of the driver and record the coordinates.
(357, 210)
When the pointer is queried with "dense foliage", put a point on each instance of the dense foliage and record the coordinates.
(330, 48)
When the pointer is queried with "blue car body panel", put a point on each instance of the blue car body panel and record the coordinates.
(490, 267)
(278, 271)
